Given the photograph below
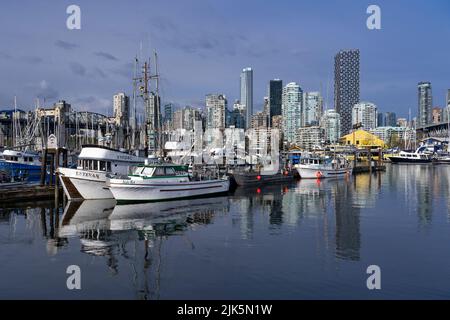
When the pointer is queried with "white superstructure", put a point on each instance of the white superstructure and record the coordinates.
(95, 164)
(19, 157)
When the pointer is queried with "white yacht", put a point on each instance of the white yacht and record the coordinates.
(95, 164)
(420, 156)
(320, 167)
(157, 182)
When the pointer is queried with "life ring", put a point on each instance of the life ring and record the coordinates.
(319, 175)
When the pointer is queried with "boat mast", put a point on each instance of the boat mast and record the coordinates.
(158, 107)
(134, 117)
(14, 123)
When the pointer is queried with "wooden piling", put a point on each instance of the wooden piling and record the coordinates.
(44, 168)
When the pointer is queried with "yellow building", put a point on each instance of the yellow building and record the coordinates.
(363, 139)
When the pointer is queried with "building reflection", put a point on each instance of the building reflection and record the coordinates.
(348, 235)
(418, 184)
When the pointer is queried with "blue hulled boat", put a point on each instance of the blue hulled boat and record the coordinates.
(23, 165)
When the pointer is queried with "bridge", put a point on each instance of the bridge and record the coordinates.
(436, 130)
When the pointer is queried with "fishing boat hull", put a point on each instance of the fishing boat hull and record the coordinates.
(255, 179)
(307, 172)
(84, 185)
(131, 191)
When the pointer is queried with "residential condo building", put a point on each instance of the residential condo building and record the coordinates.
(346, 85)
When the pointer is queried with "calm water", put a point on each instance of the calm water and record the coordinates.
(308, 240)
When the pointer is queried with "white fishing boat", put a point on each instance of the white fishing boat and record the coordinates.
(320, 167)
(158, 182)
(95, 164)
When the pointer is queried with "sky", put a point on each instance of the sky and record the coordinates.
(203, 45)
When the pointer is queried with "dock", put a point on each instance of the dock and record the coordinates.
(27, 193)
(368, 169)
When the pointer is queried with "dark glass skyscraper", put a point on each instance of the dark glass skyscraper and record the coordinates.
(425, 97)
(391, 119)
(380, 119)
(346, 86)
(168, 112)
(275, 98)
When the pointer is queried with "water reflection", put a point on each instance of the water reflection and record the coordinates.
(144, 242)
(106, 229)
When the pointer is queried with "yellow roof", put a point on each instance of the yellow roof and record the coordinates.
(363, 138)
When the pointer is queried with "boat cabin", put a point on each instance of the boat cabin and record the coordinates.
(98, 158)
(160, 171)
(412, 155)
(21, 157)
(312, 160)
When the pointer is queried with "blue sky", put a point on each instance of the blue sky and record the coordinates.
(204, 44)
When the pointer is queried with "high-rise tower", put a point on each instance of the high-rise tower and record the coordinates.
(425, 103)
(346, 86)
(247, 94)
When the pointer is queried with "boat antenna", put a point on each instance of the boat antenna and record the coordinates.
(158, 107)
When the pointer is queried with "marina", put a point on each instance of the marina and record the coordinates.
(214, 150)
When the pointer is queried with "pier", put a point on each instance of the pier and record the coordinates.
(368, 161)
(27, 192)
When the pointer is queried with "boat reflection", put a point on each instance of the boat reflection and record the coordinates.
(134, 234)
(167, 215)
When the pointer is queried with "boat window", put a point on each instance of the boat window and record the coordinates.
(102, 165)
(108, 166)
(180, 171)
(159, 172)
(148, 171)
(136, 170)
(170, 171)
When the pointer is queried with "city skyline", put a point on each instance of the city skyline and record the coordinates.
(96, 61)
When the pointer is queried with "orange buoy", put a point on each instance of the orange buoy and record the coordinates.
(318, 175)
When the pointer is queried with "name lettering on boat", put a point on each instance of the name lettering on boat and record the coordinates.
(124, 157)
(88, 174)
